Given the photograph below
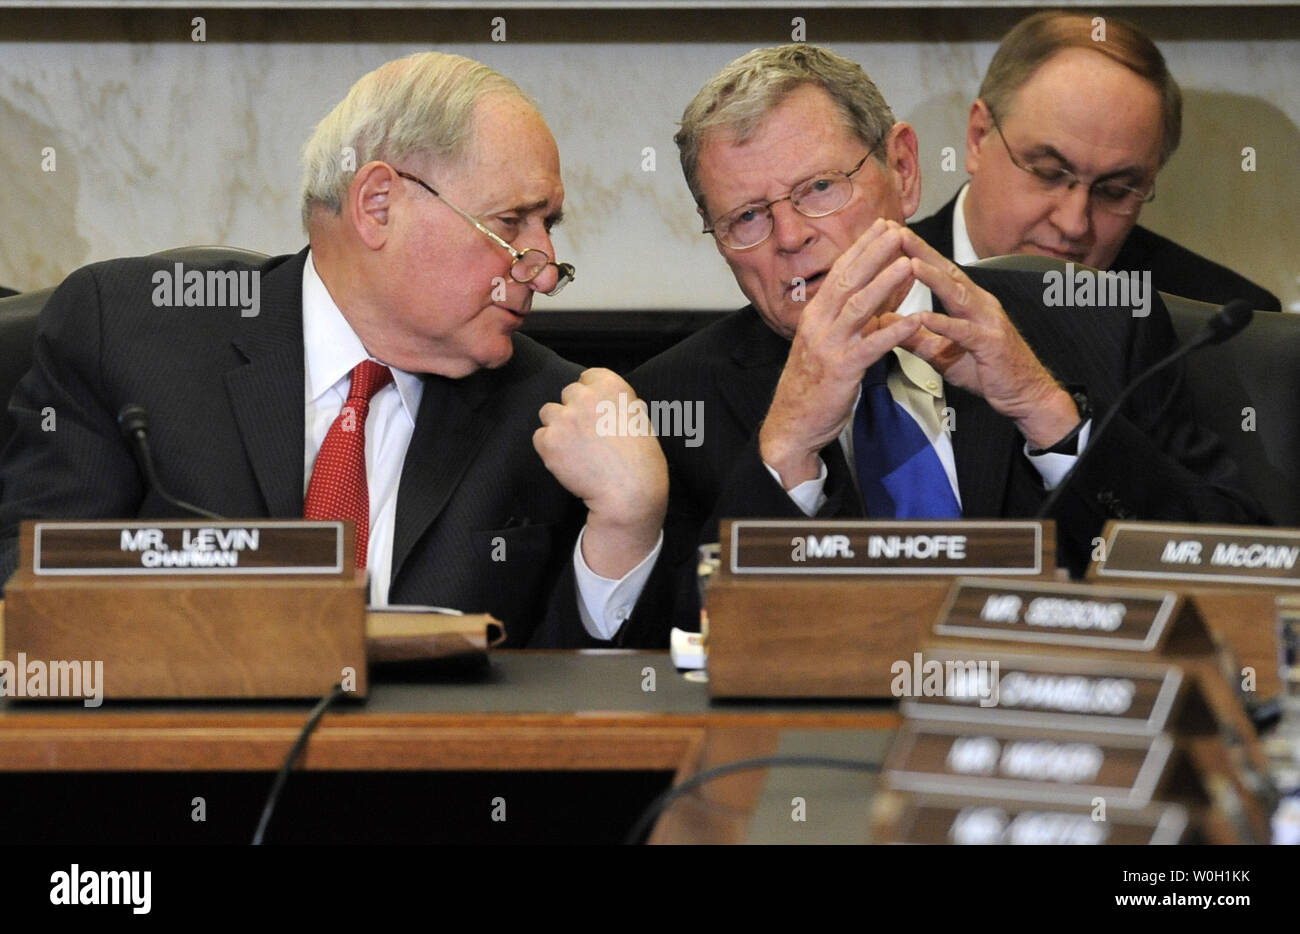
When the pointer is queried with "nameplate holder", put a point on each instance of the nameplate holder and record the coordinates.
(1057, 767)
(1110, 625)
(162, 548)
(1052, 692)
(1199, 554)
(900, 817)
(822, 608)
(191, 609)
(804, 608)
(1232, 573)
(853, 547)
(1156, 623)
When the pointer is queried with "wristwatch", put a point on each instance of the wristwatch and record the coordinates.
(1070, 443)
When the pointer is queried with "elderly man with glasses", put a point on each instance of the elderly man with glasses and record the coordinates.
(1063, 146)
(380, 378)
(869, 376)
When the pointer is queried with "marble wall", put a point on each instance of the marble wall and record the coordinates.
(121, 135)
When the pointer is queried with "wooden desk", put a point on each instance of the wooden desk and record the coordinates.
(533, 711)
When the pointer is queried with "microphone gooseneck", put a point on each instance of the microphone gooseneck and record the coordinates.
(1229, 321)
(133, 421)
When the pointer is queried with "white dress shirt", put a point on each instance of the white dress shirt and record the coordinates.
(331, 349)
(963, 251)
(918, 388)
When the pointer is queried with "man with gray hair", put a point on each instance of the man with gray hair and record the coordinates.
(869, 376)
(381, 377)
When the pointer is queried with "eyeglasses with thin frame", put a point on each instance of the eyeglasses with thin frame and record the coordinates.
(1055, 180)
(528, 264)
(818, 196)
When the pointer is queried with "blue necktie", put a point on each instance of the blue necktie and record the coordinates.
(899, 472)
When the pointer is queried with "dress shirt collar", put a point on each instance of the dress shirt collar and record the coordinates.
(963, 251)
(332, 349)
(919, 373)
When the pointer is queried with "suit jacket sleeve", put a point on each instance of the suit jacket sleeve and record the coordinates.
(66, 457)
(1154, 462)
(723, 476)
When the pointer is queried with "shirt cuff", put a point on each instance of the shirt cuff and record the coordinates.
(1053, 467)
(604, 604)
(808, 496)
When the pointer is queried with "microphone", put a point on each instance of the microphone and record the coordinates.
(1230, 319)
(133, 420)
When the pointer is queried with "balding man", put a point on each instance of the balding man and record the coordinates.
(1063, 147)
(380, 376)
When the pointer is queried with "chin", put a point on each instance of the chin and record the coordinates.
(786, 320)
(500, 354)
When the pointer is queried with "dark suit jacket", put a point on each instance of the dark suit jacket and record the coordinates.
(1153, 462)
(1174, 269)
(224, 395)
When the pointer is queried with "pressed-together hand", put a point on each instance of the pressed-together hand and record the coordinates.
(848, 325)
(975, 346)
(623, 478)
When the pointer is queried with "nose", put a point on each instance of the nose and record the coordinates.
(1071, 215)
(790, 229)
(545, 280)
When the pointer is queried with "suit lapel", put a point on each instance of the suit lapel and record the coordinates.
(983, 446)
(451, 426)
(266, 393)
(936, 229)
(759, 357)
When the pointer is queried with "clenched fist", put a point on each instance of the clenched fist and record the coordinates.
(622, 477)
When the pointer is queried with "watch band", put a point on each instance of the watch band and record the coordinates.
(1070, 443)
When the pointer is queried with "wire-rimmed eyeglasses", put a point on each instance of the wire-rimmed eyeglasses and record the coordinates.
(528, 264)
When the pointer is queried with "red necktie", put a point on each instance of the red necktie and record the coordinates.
(338, 487)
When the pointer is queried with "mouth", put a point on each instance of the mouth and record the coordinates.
(811, 282)
(513, 313)
(1073, 256)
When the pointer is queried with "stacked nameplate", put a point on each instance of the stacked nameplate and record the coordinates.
(1064, 713)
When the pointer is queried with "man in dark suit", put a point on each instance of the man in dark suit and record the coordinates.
(1063, 146)
(804, 179)
(376, 375)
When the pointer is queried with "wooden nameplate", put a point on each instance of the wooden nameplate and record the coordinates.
(816, 608)
(1235, 574)
(1062, 771)
(904, 817)
(179, 609)
(988, 685)
(1121, 623)
(1113, 633)
(936, 757)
